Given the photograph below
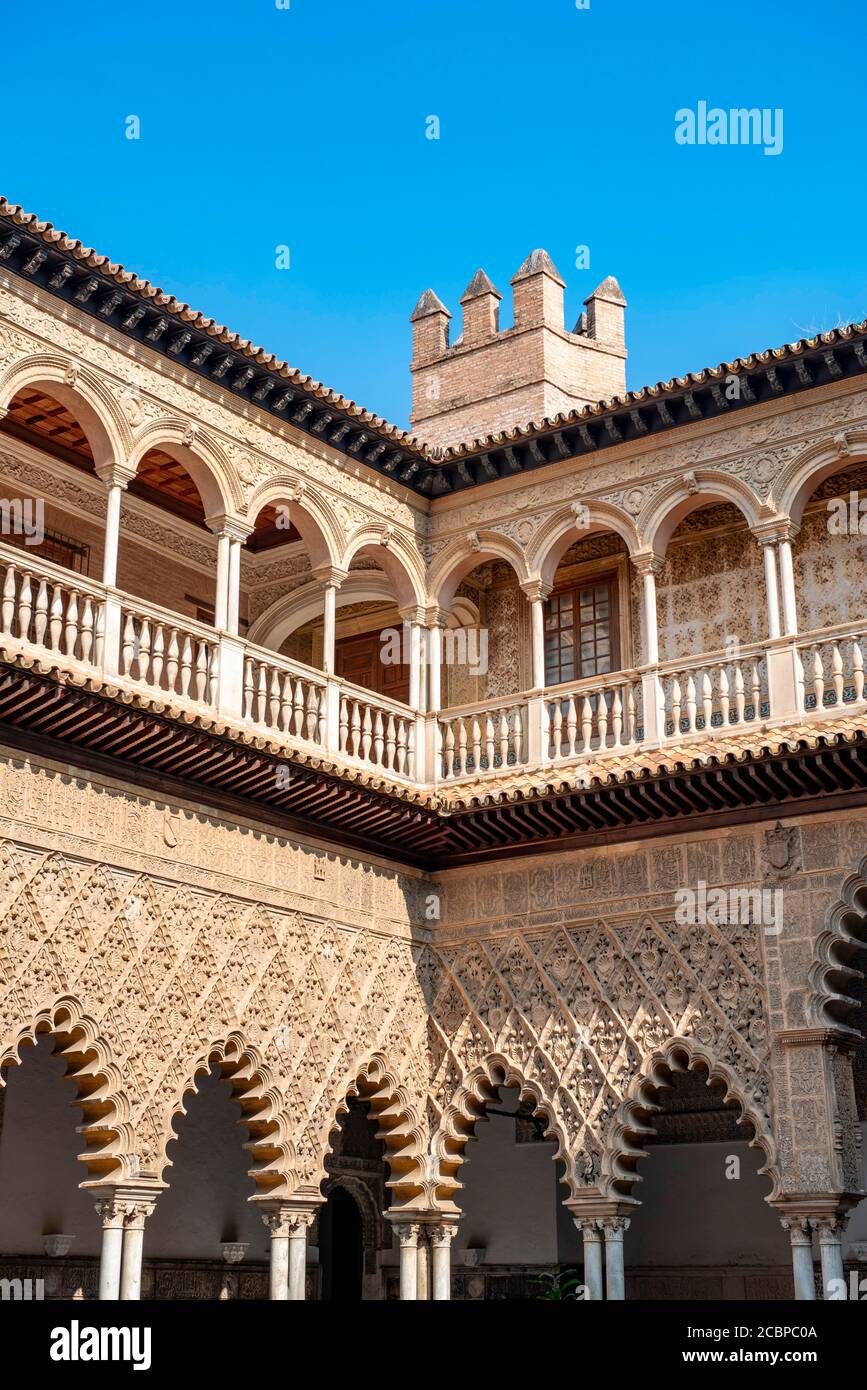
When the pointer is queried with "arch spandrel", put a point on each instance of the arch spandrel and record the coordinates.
(309, 510)
(575, 523)
(396, 555)
(802, 475)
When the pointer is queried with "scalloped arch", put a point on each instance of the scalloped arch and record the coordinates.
(457, 1125)
(399, 1127)
(262, 1110)
(108, 1134)
(86, 396)
(838, 948)
(624, 1149)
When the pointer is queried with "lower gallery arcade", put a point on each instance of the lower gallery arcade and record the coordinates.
(244, 1066)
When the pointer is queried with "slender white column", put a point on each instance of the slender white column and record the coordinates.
(111, 1214)
(415, 667)
(787, 581)
(441, 1237)
(830, 1230)
(435, 657)
(800, 1235)
(112, 533)
(771, 588)
(299, 1225)
(407, 1234)
(277, 1221)
(329, 628)
(135, 1216)
(233, 601)
(615, 1284)
(537, 622)
(422, 1281)
(592, 1238)
(221, 601)
(651, 622)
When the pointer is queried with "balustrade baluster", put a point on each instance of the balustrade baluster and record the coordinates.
(186, 665)
(818, 678)
(740, 702)
(127, 646)
(8, 606)
(724, 700)
(144, 652)
(201, 671)
(503, 735)
(518, 733)
(41, 620)
(690, 704)
(617, 717)
(312, 713)
(158, 654)
(556, 726)
(858, 668)
(173, 663)
(87, 629)
(837, 674)
(25, 608)
(571, 725)
(55, 619)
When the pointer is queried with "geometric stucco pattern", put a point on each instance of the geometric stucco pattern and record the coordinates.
(151, 981)
(581, 1016)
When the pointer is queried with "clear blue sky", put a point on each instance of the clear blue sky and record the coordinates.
(306, 127)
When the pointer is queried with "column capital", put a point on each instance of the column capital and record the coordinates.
(115, 474)
(536, 589)
(840, 1039)
(408, 1229)
(329, 576)
(812, 1211)
(413, 613)
(124, 1205)
(232, 526)
(442, 1233)
(434, 616)
(647, 562)
(286, 1218)
(771, 530)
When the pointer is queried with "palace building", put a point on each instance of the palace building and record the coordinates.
(432, 861)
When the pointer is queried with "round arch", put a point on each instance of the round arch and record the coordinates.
(574, 523)
(395, 557)
(463, 554)
(304, 604)
(624, 1146)
(310, 513)
(202, 458)
(109, 1136)
(804, 474)
(84, 395)
(677, 499)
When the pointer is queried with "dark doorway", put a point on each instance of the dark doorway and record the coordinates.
(341, 1248)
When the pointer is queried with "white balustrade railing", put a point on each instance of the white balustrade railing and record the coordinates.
(282, 696)
(51, 609)
(715, 692)
(376, 732)
(831, 667)
(603, 712)
(175, 655)
(50, 613)
(483, 738)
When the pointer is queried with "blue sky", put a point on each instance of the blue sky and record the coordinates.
(305, 127)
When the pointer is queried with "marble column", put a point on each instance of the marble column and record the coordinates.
(614, 1229)
(111, 1214)
(278, 1220)
(408, 1234)
(434, 661)
(112, 533)
(422, 1281)
(233, 598)
(801, 1237)
(135, 1216)
(592, 1238)
(441, 1236)
(299, 1224)
(830, 1230)
(221, 601)
(787, 583)
(772, 594)
(329, 627)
